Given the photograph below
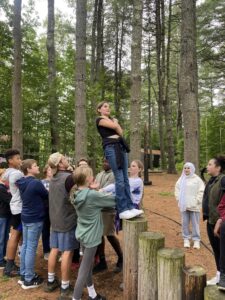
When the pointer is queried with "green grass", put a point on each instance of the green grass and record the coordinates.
(166, 194)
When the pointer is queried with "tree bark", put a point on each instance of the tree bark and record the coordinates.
(149, 244)
(168, 110)
(189, 82)
(170, 265)
(135, 107)
(17, 104)
(80, 81)
(53, 103)
(194, 282)
(131, 231)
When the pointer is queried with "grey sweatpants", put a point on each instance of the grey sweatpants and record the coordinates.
(85, 272)
(192, 217)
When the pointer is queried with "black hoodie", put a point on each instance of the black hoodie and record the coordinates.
(5, 198)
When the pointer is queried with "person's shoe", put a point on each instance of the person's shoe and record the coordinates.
(2, 264)
(98, 297)
(215, 280)
(34, 283)
(12, 272)
(21, 280)
(100, 267)
(196, 245)
(51, 286)
(221, 284)
(46, 256)
(137, 212)
(119, 266)
(127, 214)
(187, 244)
(121, 287)
(66, 294)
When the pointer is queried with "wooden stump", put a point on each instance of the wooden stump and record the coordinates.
(194, 282)
(211, 292)
(131, 230)
(149, 244)
(170, 264)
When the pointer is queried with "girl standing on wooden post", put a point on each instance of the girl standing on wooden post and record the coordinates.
(115, 150)
(189, 192)
(214, 191)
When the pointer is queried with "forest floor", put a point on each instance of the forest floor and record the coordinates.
(158, 198)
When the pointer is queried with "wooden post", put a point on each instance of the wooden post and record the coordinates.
(194, 282)
(149, 244)
(131, 230)
(170, 264)
(212, 293)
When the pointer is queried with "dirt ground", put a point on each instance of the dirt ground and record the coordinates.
(158, 199)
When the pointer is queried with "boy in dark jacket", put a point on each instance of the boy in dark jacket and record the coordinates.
(5, 215)
(34, 196)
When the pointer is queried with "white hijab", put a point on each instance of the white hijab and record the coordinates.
(183, 178)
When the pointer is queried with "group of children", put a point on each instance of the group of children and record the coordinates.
(74, 203)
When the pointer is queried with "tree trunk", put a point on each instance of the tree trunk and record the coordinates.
(53, 103)
(189, 82)
(211, 292)
(135, 107)
(149, 105)
(194, 282)
(80, 81)
(116, 75)
(17, 105)
(149, 244)
(170, 265)
(168, 110)
(131, 231)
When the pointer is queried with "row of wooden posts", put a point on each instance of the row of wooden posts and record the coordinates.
(153, 272)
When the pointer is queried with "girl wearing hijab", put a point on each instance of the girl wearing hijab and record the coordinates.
(189, 191)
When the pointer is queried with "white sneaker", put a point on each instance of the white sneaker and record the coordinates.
(196, 245)
(46, 256)
(127, 214)
(187, 244)
(214, 280)
(137, 212)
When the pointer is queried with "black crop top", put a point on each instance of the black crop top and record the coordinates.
(105, 132)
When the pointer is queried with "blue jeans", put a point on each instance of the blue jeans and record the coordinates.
(122, 186)
(4, 236)
(193, 217)
(31, 235)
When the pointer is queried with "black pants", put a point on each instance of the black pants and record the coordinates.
(215, 244)
(222, 248)
(46, 234)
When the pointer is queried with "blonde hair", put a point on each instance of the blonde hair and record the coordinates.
(100, 105)
(140, 166)
(2, 171)
(27, 164)
(81, 174)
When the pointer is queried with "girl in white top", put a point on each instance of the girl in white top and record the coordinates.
(135, 181)
(189, 193)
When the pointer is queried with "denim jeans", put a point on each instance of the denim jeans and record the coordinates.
(31, 235)
(122, 186)
(4, 236)
(193, 217)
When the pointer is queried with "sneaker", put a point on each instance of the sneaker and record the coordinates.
(221, 284)
(187, 244)
(119, 267)
(46, 256)
(21, 280)
(51, 286)
(137, 212)
(2, 264)
(98, 297)
(34, 283)
(100, 267)
(66, 294)
(196, 245)
(121, 287)
(14, 271)
(215, 280)
(127, 214)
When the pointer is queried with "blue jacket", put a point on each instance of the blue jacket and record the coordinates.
(34, 199)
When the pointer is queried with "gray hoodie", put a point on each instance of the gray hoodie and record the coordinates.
(12, 175)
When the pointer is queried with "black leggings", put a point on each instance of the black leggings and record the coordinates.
(215, 244)
(222, 248)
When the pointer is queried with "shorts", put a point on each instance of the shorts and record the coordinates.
(16, 223)
(108, 218)
(64, 241)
